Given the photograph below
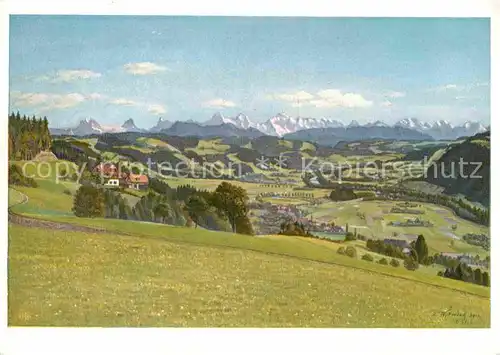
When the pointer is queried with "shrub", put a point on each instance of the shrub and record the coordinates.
(364, 194)
(394, 263)
(341, 251)
(67, 192)
(367, 257)
(351, 252)
(383, 261)
(16, 177)
(440, 273)
(361, 237)
(411, 264)
(349, 236)
(341, 194)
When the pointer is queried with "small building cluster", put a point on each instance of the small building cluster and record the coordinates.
(412, 222)
(399, 243)
(115, 178)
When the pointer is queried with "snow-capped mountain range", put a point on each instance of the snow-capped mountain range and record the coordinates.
(282, 124)
(442, 129)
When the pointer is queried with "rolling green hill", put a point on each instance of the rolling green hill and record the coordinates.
(474, 184)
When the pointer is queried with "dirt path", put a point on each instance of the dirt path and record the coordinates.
(40, 223)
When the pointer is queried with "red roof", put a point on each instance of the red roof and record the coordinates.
(106, 169)
(138, 179)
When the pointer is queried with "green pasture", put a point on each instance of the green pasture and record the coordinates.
(188, 278)
(210, 147)
(372, 218)
(47, 170)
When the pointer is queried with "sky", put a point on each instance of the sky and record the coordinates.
(112, 68)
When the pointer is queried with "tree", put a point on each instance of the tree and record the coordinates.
(394, 263)
(231, 201)
(244, 226)
(367, 257)
(163, 211)
(28, 136)
(351, 252)
(486, 279)
(88, 202)
(421, 249)
(478, 276)
(411, 264)
(196, 207)
(383, 261)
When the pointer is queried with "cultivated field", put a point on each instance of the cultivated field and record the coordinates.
(372, 218)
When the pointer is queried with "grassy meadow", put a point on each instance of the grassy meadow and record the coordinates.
(84, 279)
(372, 218)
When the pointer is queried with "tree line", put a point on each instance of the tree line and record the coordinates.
(224, 209)
(418, 252)
(464, 272)
(28, 136)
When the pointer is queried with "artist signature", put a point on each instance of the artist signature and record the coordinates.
(460, 317)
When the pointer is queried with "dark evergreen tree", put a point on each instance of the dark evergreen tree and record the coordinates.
(421, 249)
(89, 202)
(486, 279)
(27, 136)
(478, 276)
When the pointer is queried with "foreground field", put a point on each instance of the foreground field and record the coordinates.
(86, 279)
(302, 248)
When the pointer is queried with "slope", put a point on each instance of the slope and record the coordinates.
(61, 278)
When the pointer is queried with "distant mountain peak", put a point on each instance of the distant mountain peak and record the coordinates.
(129, 126)
(128, 123)
(377, 123)
(353, 123)
(160, 125)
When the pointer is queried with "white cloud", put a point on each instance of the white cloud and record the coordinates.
(335, 98)
(144, 68)
(123, 102)
(72, 75)
(69, 76)
(95, 96)
(47, 101)
(457, 87)
(293, 97)
(386, 103)
(219, 103)
(395, 94)
(156, 109)
(444, 88)
(324, 99)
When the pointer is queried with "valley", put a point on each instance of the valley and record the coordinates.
(301, 205)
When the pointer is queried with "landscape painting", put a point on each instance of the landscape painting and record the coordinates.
(198, 171)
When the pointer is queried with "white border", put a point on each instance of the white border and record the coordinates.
(255, 341)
